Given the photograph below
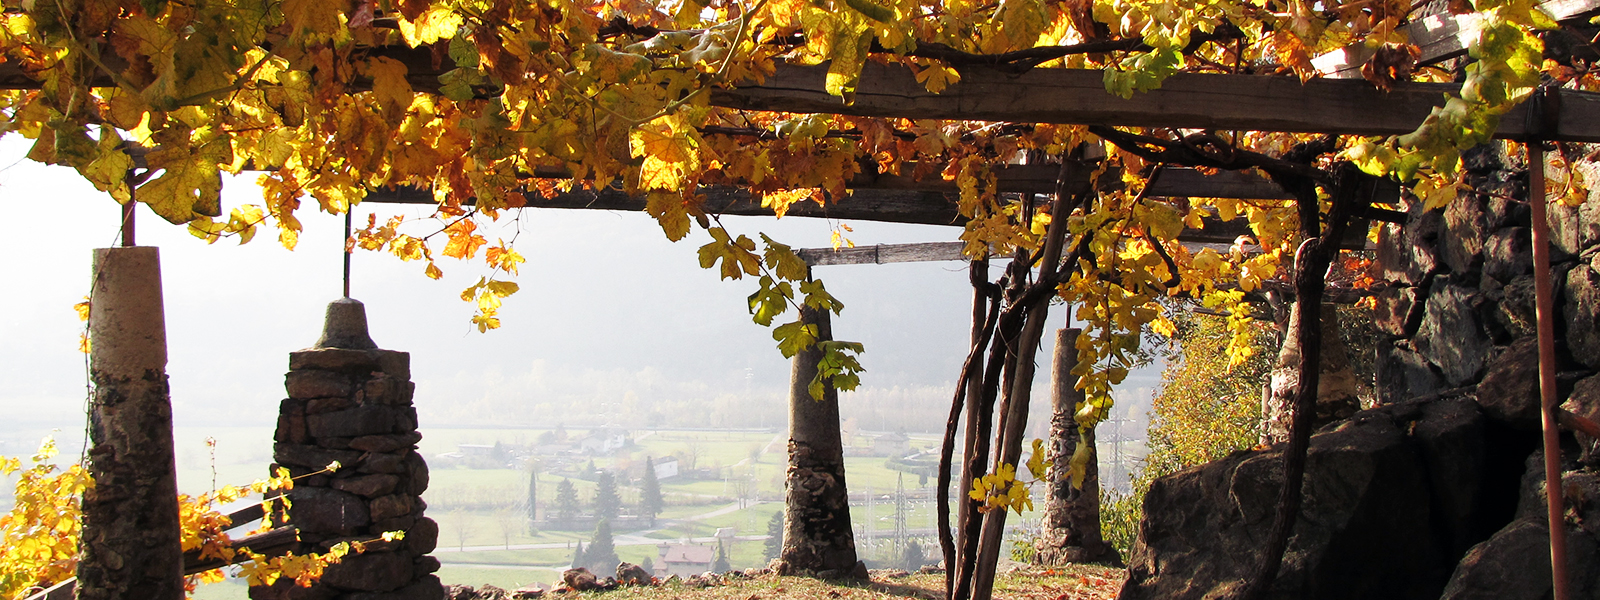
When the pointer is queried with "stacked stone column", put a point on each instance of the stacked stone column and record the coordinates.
(350, 402)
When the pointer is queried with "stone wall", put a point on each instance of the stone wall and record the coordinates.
(350, 403)
(1426, 495)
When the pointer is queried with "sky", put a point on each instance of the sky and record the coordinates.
(611, 316)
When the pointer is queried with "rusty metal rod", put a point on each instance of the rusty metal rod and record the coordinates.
(1545, 312)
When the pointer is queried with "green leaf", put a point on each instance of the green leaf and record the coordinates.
(794, 337)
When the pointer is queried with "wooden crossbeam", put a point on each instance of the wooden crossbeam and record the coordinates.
(882, 254)
(1185, 100)
(916, 207)
(1440, 37)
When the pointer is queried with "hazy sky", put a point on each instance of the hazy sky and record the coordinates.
(606, 303)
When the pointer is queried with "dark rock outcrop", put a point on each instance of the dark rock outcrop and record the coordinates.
(1392, 499)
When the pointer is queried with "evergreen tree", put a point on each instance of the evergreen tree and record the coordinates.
(533, 494)
(912, 558)
(650, 501)
(721, 566)
(606, 500)
(774, 545)
(649, 566)
(578, 558)
(566, 502)
(601, 558)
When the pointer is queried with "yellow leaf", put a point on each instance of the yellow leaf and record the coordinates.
(463, 242)
(937, 76)
(438, 23)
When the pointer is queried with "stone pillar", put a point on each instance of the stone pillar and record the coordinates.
(1070, 531)
(130, 544)
(350, 402)
(817, 536)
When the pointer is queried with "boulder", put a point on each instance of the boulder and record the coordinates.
(314, 383)
(1391, 499)
(1450, 335)
(1403, 374)
(323, 510)
(527, 592)
(580, 579)
(632, 574)
(1509, 392)
(1582, 311)
(1508, 254)
(314, 457)
(369, 486)
(423, 536)
(358, 421)
(370, 572)
(1514, 564)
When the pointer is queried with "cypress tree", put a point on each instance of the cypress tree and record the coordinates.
(650, 501)
(578, 558)
(774, 545)
(606, 500)
(566, 502)
(721, 566)
(601, 557)
(533, 495)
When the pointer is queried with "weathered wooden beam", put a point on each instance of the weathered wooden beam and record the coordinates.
(1440, 37)
(881, 254)
(881, 205)
(1185, 100)
(1078, 96)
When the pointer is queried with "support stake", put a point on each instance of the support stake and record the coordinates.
(1544, 110)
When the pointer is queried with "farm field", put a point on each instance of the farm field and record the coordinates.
(481, 506)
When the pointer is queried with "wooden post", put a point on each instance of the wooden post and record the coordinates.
(1071, 527)
(131, 547)
(817, 536)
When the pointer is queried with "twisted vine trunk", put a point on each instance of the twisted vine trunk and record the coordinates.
(817, 536)
(130, 541)
(1311, 263)
(1016, 308)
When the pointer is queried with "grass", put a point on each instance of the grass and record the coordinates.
(1076, 582)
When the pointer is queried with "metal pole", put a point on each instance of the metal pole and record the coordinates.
(346, 250)
(127, 224)
(1545, 311)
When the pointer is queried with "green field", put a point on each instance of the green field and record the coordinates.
(482, 511)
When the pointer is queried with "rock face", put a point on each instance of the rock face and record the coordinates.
(1392, 498)
(350, 403)
(1514, 563)
(1425, 495)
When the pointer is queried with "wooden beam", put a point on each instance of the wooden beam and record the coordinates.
(1439, 36)
(882, 205)
(1185, 100)
(881, 254)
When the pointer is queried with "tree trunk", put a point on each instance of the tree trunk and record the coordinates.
(817, 536)
(131, 547)
(1071, 526)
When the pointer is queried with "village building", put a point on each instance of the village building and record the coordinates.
(604, 441)
(683, 560)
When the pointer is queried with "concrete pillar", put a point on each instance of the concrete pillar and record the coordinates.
(350, 402)
(131, 547)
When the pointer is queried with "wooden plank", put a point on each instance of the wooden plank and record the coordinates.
(1185, 100)
(1440, 37)
(883, 254)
